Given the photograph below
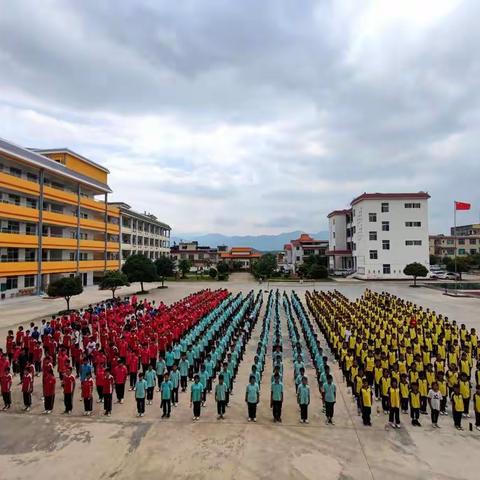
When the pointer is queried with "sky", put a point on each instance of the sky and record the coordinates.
(248, 117)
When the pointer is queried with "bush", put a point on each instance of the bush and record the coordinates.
(222, 276)
(318, 271)
(213, 273)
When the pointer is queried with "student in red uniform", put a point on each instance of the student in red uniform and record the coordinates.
(87, 394)
(108, 392)
(49, 382)
(68, 390)
(132, 368)
(120, 374)
(6, 387)
(27, 389)
(100, 381)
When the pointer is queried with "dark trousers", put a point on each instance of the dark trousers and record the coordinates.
(434, 415)
(120, 390)
(27, 399)
(303, 412)
(366, 412)
(183, 383)
(133, 379)
(252, 410)
(107, 402)
(175, 395)
(443, 404)
(329, 409)
(204, 395)
(404, 404)
(68, 401)
(209, 384)
(466, 405)
(394, 415)
(277, 409)
(159, 380)
(414, 413)
(167, 407)
(38, 366)
(477, 419)
(49, 402)
(7, 398)
(100, 392)
(457, 418)
(370, 377)
(88, 404)
(221, 407)
(141, 405)
(227, 397)
(190, 372)
(385, 405)
(423, 404)
(197, 407)
(150, 393)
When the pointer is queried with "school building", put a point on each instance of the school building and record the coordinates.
(240, 258)
(446, 245)
(379, 235)
(199, 256)
(297, 250)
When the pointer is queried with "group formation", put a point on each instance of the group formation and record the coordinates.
(406, 357)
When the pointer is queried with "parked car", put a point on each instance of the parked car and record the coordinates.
(447, 275)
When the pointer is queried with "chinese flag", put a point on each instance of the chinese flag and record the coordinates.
(462, 206)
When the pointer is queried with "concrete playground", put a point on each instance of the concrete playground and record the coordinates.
(124, 447)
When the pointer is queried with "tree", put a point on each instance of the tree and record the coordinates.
(184, 266)
(164, 267)
(139, 268)
(265, 266)
(112, 280)
(65, 287)
(223, 268)
(415, 270)
(213, 273)
(434, 260)
(463, 265)
(318, 271)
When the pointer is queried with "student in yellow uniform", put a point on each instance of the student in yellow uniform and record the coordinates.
(457, 407)
(404, 393)
(366, 402)
(394, 404)
(385, 382)
(476, 407)
(423, 390)
(442, 387)
(465, 391)
(414, 397)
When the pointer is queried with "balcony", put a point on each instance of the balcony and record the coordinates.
(10, 269)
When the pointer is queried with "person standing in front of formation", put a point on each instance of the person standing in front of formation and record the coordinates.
(221, 390)
(87, 394)
(49, 382)
(330, 395)
(141, 387)
(108, 392)
(303, 398)
(166, 396)
(27, 390)
(434, 400)
(252, 397)
(6, 387)
(276, 398)
(68, 383)
(196, 391)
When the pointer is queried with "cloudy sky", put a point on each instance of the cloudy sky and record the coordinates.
(252, 116)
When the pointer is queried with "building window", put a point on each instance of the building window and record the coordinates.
(14, 199)
(31, 202)
(30, 254)
(385, 226)
(30, 229)
(13, 227)
(450, 241)
(372, 235)
(411, 243)
(32, 177)
(12, 255)
(472, 241)
(372, 217)
(298, 258)
(461, 241)
(461, 251)
(385, 207)
(29, 281)
(473, 251)
(16, 172)
(386, 244)
(373, 255)
(413, 224)
(412, 205)
(386, 269)
(12, 282)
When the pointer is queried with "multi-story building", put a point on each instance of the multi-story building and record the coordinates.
(51, 223)
(466, 230)
(297, 250)
(142, 233)
(445, 245)
(200, 257)
(384, 232)
(240, 257)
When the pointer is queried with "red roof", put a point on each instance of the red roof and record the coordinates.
(390, 196)
(339, 212)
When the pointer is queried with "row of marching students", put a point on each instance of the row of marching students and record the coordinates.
(401, 380)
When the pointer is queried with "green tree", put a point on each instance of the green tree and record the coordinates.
(318, 271)
(463, 265)
(164, 266)
(112, 280)
(223, 268)
(415, 270)
(213, 273)
(184, 266)
(265, 266)
(65, 287)
(139, 268)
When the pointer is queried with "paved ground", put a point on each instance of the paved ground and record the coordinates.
(123, 447)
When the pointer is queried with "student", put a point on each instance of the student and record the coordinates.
(435, 400)
(203, 380)
(175, 380)
(6, 387)
(166, 396)
(299, 377)
(183, 367)
(221, 391)
(366, 403)
(394, 404)
(160, 368)
(303, 398)
(457, 407)
(196, 391)
(330, 394)
(384, 387)
(108, 392)
(414, 398)
(252, 397)
(423, 390)
(68, 384)
(100, 381)
(27, 389)
(465, 390)
(141, 387)
(476, 406)
(87, 394)
(404, 393)
(227, 380)
(132, 362)
(151, 378)
(49, 382)
(276, 398)
(120, 374)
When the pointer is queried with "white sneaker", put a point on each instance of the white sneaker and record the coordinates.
(254, 419)
(478, 428)
(305, 421)
(249, 419)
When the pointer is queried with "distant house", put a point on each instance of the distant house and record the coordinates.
(199, 256)
(297, 250)
(243, 257)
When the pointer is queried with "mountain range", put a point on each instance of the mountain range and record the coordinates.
(263, 243)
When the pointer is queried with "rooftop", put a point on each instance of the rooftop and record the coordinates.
(390, 196)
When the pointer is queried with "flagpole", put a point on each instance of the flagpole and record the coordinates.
(455, 242)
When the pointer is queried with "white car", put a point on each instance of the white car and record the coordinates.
(448, 275)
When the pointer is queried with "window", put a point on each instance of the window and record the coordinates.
(410, 243)
(386, 269)
(30, 254)
(450, 241)
(12, 282)
(29, 281)
(461, 251)
(472, 241)
(298, 258)
(461, 241)
(412, 205)
(354, 246)
(31, 203)
(385, 207)
(372, 217)
(373, 255)
(413, 224)
(33, 178)
(14, 199)
(473, 251)
(386, 244)
(385, 226)
(372, 236)
(12, 254)
(30, 229)
(15, 171)
(13, 227)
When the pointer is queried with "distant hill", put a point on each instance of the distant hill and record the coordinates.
(264, 243)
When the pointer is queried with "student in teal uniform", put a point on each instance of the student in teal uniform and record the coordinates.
(166, 395)
(169, 359)
(209, 368)
(196, 397)
(298, 378)
(330, 395)
(227, 380)
(203, 380)
(160, 368)
(140, 391)
(183, 367)
(303, 398)
(150, 378)
(175, 379)
(276, 398)
(221, 390)
(252, 397)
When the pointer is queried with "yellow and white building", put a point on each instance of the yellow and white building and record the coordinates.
(55, 219)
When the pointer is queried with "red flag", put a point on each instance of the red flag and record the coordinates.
(462, 206)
